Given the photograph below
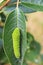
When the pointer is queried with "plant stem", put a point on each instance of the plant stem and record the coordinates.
(4, 4)
(17, 3)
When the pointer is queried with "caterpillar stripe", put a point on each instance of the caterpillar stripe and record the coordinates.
(16, 42)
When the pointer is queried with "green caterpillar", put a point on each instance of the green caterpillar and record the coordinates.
(16, 42)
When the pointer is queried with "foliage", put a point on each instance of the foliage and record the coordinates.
(15, 17)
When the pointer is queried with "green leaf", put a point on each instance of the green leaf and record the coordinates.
(35, 5)
(26, 10)
(24, 63)
(30, 37)
(9, 8)
(1, 31)
(3, 57)
(33, 51)
(15, 19)
(12, 1)
(1, 45)
(41, 56)
(2, 54)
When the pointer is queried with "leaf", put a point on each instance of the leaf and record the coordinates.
(33, 51)
(12, 1)
(3, 57)
(2, 54)
(26, 10)
(33, 4)
(30, 37)
(15, 19)
(1, 31)
(40, 2)
(8, 9)
(24, 63)
(41, 56)
(1, 44)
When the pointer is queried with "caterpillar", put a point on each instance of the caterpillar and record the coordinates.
(16, 42)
